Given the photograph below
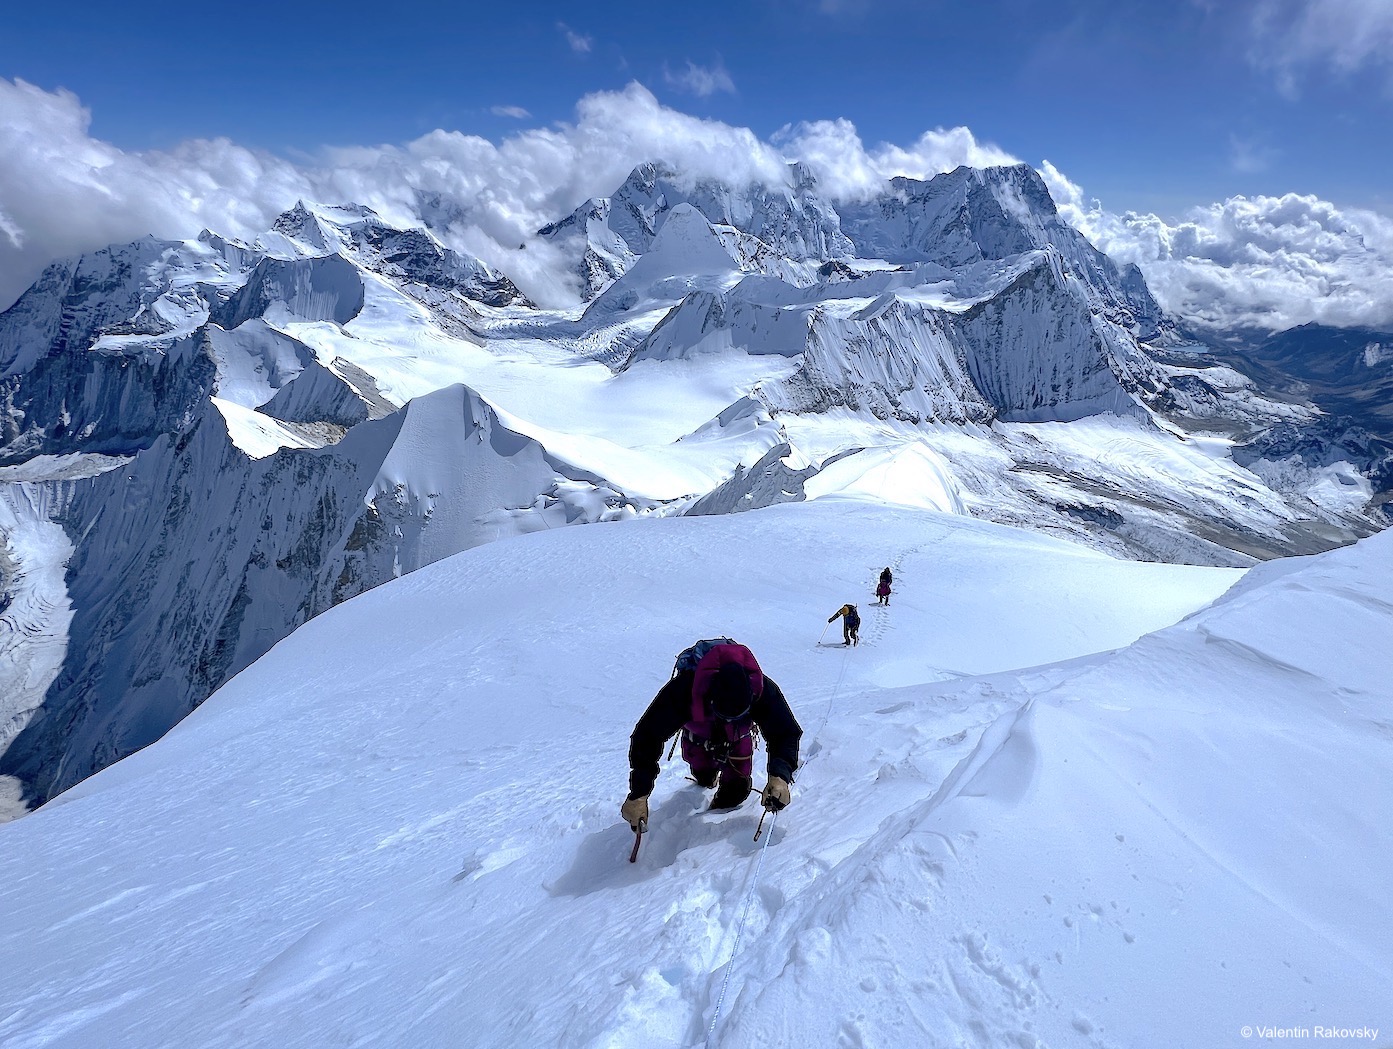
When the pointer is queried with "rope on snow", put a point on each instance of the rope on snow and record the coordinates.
(759, 863)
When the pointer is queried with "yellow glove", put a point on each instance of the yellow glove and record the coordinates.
(776, 794)
(635, 812)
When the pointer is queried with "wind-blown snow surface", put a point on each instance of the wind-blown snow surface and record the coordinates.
(399, 827)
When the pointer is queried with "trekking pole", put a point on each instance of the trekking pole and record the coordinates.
(638, 839)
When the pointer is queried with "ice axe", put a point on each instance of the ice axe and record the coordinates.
(639, 831)
(760, 829)
(768, 808)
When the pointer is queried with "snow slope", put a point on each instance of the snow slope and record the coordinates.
(399, 827)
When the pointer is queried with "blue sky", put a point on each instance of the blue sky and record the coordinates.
(1238, 151)
(1151, 106)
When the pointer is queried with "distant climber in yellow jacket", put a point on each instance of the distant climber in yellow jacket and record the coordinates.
(851, 623)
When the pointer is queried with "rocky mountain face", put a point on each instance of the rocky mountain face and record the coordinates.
(1347, 373)
(205, 443)
(1023, 349)
(194, 559)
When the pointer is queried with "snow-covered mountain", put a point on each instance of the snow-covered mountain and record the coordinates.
(205, 443)
(954, 220)
(970, 215)
(1050, 799)
(205, 471)
(791, 221)
(215, 556)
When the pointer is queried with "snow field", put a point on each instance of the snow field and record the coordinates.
(400, 826)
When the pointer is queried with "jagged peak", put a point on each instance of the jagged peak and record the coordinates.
(647, 175)
(802, 177)
(323, 227)
(651, 176)
(132, 253)
(360, 234)
(594, 207)
(1021, 177)
(305, 212)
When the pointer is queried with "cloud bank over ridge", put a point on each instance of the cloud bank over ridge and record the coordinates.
(1251, 262)
(1269, 262)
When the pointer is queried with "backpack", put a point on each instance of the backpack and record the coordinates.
(707, 741)
(705, 658)
(688, 658)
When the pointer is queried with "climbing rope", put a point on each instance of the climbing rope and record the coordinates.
(759, 864)
(759, 860)
(739, 932)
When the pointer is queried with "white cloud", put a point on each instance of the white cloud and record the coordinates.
(1292, 36)
(847, 170)
(1268, 261)
(701, 81)
(516, 112)
(11, 229)
(1263, 262)
(65, 192)
(580, 43)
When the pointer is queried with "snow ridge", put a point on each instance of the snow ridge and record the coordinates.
(1003, 831)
